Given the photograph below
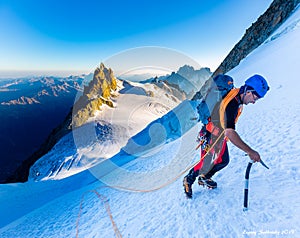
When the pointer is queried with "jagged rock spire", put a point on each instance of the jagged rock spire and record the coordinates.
(94, 95)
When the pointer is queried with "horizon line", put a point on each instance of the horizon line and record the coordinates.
(11, 74)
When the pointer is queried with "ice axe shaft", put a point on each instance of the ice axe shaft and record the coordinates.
(246, 188)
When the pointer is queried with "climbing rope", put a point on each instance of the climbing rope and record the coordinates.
(106, 203)
(104, 200)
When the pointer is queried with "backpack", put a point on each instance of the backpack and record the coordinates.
(221, 86)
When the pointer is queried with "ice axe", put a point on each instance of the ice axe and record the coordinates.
(246, 188)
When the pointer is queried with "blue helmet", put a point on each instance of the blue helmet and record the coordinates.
(259, 84)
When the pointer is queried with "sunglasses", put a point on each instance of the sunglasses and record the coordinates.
(254, 95)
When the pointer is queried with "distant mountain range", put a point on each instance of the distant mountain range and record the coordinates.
(30, 109)
(35, 90)
(186, 79)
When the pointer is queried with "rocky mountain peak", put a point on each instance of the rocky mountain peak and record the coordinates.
(94, 95)
(186, 70)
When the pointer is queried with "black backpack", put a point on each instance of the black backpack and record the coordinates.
(220, 87)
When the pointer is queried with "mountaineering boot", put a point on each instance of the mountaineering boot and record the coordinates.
(208, 182)
(187, 187)
(188, 182)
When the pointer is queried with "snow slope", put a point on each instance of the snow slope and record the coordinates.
(74, 207)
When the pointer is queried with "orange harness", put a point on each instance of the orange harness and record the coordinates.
(231, 95)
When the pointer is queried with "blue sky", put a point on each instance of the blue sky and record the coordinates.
(75, 36)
